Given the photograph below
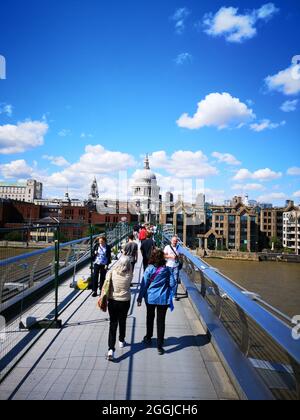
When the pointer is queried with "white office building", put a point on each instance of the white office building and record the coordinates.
(291, 230)
(33, 190)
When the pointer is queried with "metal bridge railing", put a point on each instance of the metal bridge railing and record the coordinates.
(24, 275)
(253, 341)
(21, 274)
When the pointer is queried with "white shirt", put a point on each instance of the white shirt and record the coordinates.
(170, 253)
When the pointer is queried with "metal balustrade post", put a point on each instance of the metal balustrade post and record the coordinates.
(296, 370)
(203, 284)
(56, 275)
(91, 249)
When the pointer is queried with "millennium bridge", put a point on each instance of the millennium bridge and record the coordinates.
(222, 342)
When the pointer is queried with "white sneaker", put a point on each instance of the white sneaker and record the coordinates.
(122, 344)
(110, 355)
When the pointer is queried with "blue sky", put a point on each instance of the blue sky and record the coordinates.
(91, 86)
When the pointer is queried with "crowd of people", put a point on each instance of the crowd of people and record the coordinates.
(158, 289)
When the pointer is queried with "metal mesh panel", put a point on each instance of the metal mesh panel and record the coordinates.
(277, 369)
(21, 275)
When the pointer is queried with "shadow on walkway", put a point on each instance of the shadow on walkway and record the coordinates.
(179, 343)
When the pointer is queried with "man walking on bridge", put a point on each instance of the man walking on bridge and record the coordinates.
(172, 256)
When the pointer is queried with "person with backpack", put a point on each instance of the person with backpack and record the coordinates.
(172, 256)
(143, 234)
(146, 248)
(157, 288)
(102, 260)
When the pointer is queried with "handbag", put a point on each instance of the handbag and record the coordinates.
(103, 303)
(103, 300)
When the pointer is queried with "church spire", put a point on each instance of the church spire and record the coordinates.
(94, 194)
(147, 164)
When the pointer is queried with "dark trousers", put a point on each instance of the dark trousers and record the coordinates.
(145, 263)
(133, 266)
(161, 322)
(99, 269)
(118, 312)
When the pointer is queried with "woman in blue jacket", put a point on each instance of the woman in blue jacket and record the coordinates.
(158, 288)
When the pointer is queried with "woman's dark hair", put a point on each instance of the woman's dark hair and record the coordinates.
(103, 238)
(157, 258)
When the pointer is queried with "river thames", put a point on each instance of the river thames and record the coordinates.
(277, 283)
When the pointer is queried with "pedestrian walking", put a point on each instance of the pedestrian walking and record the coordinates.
(117, 284)
(146, 248)
(172, 256)
(131, 250)
(102, 260)
(143, 234)
(158, 287)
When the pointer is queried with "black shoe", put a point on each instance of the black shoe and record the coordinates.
(94, 294)
(147, 341)
(161, 351)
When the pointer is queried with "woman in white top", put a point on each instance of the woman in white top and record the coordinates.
(119, 296)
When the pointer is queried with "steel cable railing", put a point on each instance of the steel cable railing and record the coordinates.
(22, 276)
(262, 334)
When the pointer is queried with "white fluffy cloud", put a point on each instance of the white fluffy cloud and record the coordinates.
(248, 187)
(184, 164)
(57, 160)
(295, 171)
(261, 175)
(237, 27)
(215, 196)
(21, 137)
(77, 177)
(286, 81)
(266, 125)
(96, 161)
(296, 194)
(219, 110)
(16, 169)
(289, 106)
(226, 158)
(271, 196)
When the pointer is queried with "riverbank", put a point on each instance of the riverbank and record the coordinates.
(24, 245)
(249, 256)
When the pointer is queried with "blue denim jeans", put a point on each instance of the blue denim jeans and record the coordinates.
(176, 276)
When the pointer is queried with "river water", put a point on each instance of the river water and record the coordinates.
(277, 283)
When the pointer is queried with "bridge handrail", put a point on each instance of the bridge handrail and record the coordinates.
(48, 249)
(22, 257)
(272, 325)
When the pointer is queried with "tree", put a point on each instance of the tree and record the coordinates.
(243, 248)
(94, 230)
(278, 246)
(62, 238)
(15, 236)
